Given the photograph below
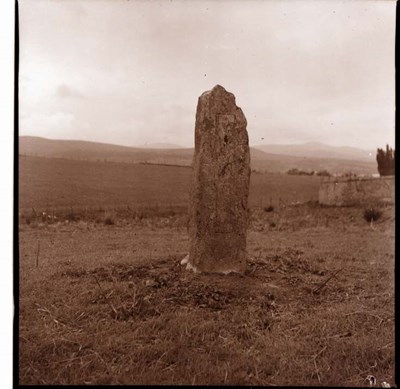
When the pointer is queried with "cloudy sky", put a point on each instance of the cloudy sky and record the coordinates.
(130, 72)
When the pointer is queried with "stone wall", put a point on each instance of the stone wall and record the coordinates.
(357, 191)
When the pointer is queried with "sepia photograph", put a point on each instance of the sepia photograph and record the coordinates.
(205, 193)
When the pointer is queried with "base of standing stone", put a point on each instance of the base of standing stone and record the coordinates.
(189, 266)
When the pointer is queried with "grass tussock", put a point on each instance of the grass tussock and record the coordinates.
(372, 214)
(269, 208)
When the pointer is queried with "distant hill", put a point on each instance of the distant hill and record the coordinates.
(320, 150)
(160, 146)
(260, 160)
(94, 151)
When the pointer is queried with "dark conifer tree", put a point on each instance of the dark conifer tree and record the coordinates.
(385, 161)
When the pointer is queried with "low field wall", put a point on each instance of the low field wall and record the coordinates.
(356, 191)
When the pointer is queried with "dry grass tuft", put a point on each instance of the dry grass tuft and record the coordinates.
(372, 214)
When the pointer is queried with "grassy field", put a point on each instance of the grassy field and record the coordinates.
(57, 184)
(104, 299)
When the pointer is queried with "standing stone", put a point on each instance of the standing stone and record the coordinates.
(218, 210)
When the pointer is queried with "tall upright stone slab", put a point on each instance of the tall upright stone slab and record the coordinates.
(218, 208)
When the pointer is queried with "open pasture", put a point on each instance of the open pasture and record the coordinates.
(47, 184)
(109, 303)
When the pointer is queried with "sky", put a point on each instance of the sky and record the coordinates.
(130, 72)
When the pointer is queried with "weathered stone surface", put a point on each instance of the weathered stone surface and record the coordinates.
(218, 210)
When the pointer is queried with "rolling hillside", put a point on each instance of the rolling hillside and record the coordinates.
(93, 151)
(260, 160)
(320, 150)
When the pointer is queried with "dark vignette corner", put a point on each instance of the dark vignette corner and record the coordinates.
(397, 276)
(15, 204)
